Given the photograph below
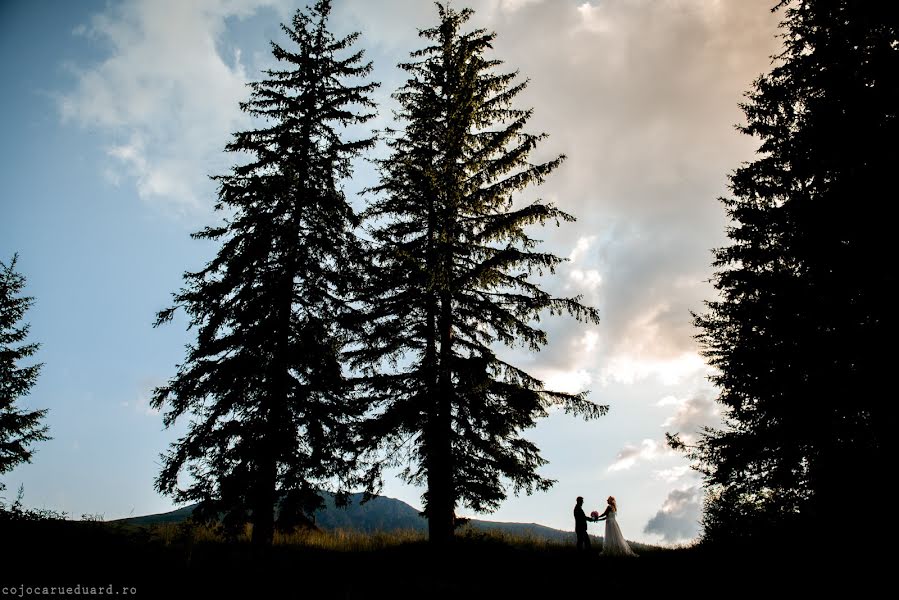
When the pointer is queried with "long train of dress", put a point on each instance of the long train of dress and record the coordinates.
(614, 543)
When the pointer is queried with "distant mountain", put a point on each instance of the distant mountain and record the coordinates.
(175, 516)
(378, 514)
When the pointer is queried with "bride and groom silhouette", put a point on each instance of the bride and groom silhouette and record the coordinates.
(613, 543)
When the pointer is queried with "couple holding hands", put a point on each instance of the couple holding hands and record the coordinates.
(613, 543)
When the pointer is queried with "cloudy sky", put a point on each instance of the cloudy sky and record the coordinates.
(115, 113)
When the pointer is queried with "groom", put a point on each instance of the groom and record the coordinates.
(580, 525)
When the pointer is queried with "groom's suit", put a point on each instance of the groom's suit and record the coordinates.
(580, 528)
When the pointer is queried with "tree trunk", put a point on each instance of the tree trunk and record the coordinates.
(441, 492)
(264, 507)
(267, 491)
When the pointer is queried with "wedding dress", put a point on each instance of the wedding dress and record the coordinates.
(614, 543)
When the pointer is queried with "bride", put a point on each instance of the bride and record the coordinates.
(613, 543)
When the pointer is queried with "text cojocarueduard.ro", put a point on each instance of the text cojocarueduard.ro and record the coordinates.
(22, 590)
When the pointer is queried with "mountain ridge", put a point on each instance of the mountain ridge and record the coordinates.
(380, 513)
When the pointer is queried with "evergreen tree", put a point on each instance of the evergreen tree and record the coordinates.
(805, 315)
(264, 380)
(450, 280)
(19, 428)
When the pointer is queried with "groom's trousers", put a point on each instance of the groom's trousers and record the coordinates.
(583, 540)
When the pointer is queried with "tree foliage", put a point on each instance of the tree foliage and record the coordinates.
(805, 314)
(19, 428)
(264, 379)
(452, 262)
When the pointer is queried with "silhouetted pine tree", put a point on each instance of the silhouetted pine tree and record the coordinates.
(801, 332)
(264, 379)
(19, 429)
(451, 272)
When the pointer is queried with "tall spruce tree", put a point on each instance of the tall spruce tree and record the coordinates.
(264, 380)
(19, 428)
(800, 333)
(450, 280)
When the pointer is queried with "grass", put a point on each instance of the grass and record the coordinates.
(340, 540)
(349, 540)
(195, 561)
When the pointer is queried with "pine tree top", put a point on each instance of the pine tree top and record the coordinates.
(19, 428)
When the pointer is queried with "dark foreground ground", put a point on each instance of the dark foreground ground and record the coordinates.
(126, 561)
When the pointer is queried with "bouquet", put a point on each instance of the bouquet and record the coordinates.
(594, 514)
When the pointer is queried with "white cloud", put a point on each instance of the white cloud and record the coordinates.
(570, 382)
(587, 280)
(648, 450)
(669, 401)
(652, 344)
(678, 519)
(642, 96)
(513, 5)
(693, 413)
(581, 248)
(590, 341)
(593, 19)
(632, 368)
(673, 474)
(166, 97)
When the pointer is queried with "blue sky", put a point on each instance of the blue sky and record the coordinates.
(114, 113)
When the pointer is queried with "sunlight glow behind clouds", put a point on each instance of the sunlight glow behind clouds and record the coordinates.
(570, 382)
(593, 18)
(581, 248)
(632, 368)
(584, 280)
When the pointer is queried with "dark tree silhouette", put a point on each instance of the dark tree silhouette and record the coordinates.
(450, 279)
(264, 380)
(800, 333)
(19, 428)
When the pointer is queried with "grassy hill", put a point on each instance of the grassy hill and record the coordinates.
(381, 514)
(171, 559)
(379, 550)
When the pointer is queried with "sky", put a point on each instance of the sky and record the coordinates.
(115, 113)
